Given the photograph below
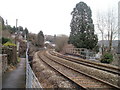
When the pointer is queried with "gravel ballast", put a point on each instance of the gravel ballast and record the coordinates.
(49, 78)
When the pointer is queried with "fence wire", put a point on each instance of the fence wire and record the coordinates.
(31, 79)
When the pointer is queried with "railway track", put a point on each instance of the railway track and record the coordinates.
(110, 69)
(80, 78)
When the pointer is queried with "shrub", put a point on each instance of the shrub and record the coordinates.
(9, 44)
(107, 58)
(4, 40)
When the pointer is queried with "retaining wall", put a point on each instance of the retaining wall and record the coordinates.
(3, 62)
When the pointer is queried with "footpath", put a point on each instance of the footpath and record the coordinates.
(15, 78)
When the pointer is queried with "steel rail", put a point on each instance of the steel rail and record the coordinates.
(61, 73)
(87, 63)
(109, 84)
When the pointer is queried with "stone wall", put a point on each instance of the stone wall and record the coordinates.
(11, 54)
(4, 62)
(22, 49)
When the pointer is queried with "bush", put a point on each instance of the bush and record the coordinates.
(107, 58)
(4, 40)
(9, 44)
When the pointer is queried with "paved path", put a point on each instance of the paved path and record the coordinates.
(15, 78)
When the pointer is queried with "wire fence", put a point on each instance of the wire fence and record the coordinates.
(31, 79)
(82, 52)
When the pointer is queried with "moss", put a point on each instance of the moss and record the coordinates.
(18, 59)
(9, 44)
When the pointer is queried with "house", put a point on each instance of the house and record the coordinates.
(49, 45)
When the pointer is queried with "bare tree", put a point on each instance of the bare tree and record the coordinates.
(107, 24)
(60, 42)
(101, 27)
(111, 22)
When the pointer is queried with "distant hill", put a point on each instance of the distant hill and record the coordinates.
(106, 43)
(114, 44)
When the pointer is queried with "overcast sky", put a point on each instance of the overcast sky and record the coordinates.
(50, 16)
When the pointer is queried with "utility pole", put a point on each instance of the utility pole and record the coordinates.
(16, 23)
(16, 31)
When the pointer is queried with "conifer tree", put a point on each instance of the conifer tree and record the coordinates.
(40, 39)
(82, 27)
